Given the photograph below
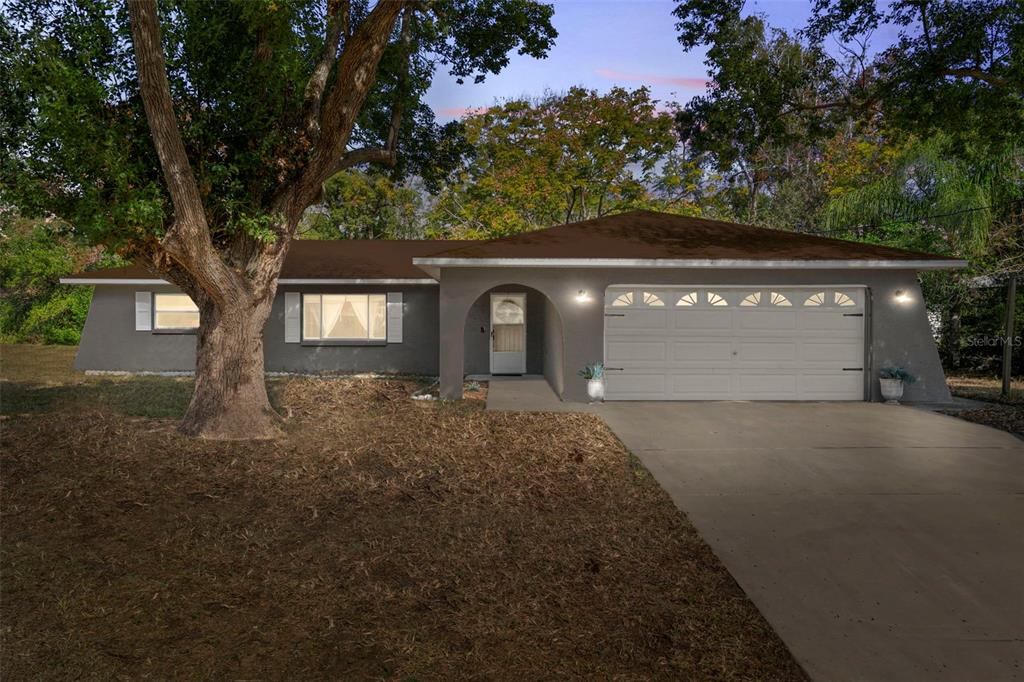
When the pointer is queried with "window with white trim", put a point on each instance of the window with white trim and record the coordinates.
(174, 311)
(344, 317)
(779, 299)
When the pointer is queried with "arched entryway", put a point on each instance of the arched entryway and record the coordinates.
(513, 329)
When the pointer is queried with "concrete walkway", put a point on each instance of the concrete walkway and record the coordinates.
(881, 542)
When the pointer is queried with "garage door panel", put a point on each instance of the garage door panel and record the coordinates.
(701, 319)
(636, 386)
(701, 386)
(841, 352)
(828, 321)
(763, 349)
(637, 320)
(777, 386)
(711, 348)
(702, 351)
(766, 319)
(626, 351)
(833, 386)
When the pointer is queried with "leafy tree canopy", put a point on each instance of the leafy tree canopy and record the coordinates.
(957, 66)
(366, 205)
(75, 134)
(562, 157)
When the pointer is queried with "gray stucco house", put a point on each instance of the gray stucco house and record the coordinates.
(677, 308)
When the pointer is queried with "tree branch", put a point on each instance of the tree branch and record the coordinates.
(977, 74)
(188, 239)
(356, 157)
(356, 72)
(337, 11)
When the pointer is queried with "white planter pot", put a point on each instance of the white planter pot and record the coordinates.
(892, 390)
(595, 389)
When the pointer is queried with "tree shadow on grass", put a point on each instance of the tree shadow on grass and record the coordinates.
(156, 397)
(136, 396)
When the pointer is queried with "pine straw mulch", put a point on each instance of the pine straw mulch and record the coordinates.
(382, 538)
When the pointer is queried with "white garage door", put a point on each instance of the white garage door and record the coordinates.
(733, 343)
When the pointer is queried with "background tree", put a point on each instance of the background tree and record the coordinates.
(34, 255)
(759, 128)
(957, 66)
(195, 136)
(367, 205)
(931, 199)
(560, 158)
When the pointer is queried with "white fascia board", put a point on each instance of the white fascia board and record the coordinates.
(721, 263)
(133, 282)
(358, 281)
(136, 282)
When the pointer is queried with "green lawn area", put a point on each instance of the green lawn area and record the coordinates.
(381, 538)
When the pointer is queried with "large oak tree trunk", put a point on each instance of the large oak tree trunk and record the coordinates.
(235, 289)
(230, 401)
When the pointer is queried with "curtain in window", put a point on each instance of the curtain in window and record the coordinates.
(508, 338)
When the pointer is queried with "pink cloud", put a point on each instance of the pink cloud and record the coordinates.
(682, 81)
(459, 112)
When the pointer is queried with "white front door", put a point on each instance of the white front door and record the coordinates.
(508, 333)
(734, 343)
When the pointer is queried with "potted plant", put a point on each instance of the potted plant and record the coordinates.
(594, 374)
(892, 380)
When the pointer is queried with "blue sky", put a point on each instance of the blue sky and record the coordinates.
(602, 43)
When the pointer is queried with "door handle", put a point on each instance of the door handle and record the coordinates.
(613, 369)
(853, 369)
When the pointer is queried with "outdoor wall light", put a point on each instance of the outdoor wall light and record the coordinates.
(902, 297)
(582, 296)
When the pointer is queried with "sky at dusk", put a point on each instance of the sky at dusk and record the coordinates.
(603, 43)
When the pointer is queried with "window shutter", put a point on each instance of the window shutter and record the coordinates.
(292, 317)
(143, 311)
(394, 317)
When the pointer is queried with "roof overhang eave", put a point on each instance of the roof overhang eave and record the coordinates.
(283, 280)
(719, 263)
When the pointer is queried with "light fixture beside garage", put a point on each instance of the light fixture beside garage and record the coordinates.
(902, 297)
(583, 296)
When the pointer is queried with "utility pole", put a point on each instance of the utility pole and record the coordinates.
(1011, 303)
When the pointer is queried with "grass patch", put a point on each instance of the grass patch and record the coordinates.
(1005, 412)
(986, 388)
(381, 538)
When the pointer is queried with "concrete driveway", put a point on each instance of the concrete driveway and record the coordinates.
(881, 542)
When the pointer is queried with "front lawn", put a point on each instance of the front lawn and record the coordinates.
(383, 538)
(1004, 412)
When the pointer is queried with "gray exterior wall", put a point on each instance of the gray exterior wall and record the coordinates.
(896, 334)
(110, 342)
(417, 354)
(554, 349)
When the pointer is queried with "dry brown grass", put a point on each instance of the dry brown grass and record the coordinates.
(1005, 412)
(988, 389)
(381, 539)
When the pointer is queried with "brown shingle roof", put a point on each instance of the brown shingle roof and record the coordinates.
(649, 234)
(333, 259)
(632, 235)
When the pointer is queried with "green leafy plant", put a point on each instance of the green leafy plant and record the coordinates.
(897, 373)
(591, 372)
